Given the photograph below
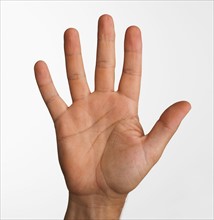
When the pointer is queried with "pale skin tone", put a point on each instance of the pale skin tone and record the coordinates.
(103, 151)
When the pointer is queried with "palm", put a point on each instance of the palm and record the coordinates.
(101, 144)
(107, 143)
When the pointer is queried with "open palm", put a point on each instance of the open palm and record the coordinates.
(101, 144)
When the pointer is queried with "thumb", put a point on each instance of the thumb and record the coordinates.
(165, 128)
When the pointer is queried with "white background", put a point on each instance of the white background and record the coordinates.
(177, 65)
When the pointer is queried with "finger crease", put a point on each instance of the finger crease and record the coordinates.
(52, 99)
(130, 72)
(103, 64)
(165, 125)
(45, 84)
(75, 76)
(73, 54)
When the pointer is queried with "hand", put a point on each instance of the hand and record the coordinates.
(103, 151)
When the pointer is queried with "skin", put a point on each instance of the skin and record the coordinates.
(103, 151)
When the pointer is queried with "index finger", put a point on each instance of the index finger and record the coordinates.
(131, 76)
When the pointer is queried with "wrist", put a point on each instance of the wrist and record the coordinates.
(94, 207)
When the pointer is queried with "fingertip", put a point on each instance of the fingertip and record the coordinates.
(39, 65)
(71, 33)
(134, 30)
(72, 42)
(133, 33)
(41, 71)
(133, 39)
(185, 106)
(188, 105)
(175, 113)
(105, 18)
(106, 28)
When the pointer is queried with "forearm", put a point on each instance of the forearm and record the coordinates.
(94, 207)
